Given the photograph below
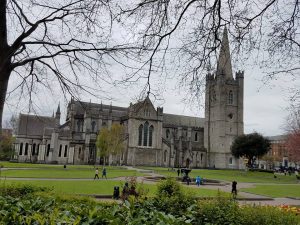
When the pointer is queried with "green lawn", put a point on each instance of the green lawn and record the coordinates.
(67, 173)
(230, 175)
(275, 191)
(98, 187)
(7, 164)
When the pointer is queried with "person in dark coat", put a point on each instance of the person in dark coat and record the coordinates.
(104, 173)
(234, 188)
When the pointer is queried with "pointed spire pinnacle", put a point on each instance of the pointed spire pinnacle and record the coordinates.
(53, 113)
(58, 109)
(224, 62)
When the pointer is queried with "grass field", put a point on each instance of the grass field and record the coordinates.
(67, 173)
(275, 191)
(230, 175)
(6, 164)
(104, 187)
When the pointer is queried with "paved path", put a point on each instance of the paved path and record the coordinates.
(248, 198)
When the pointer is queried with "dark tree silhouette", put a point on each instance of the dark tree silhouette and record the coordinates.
(65, 40)
(250, 146)
(68, 39)
(265, 31)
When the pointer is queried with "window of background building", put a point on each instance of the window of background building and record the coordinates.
(146, 128)
(66, 151)
(150, 135)
(145, 132)
(167, 133)
(93, 126)
(48, 149)
(33, 149)
(140, 135)
(60, 149)
(26, 149)
(79, 152)
(21, 149)
(38, 149)
(165, 155)
(230, 97)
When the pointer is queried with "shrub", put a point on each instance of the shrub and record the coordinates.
(224, 211)
(21, 190)
(171, 198)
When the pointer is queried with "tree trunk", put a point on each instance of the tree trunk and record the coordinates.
(5, 59)
(3, 89)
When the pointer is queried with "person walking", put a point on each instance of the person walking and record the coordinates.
(96, 174)
(178, 172)
(198, 180)
(234, 189)
(104, 173)
(125, 192)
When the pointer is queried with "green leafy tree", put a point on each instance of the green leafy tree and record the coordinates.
(110, 141)
(116, 139)
(6, 146)
(103, 143)
(250, 146)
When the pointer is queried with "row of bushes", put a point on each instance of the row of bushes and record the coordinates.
(171, 205)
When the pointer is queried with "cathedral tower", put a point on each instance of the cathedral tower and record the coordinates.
(224, 106)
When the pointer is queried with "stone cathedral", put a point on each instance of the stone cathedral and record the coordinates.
(152, 138)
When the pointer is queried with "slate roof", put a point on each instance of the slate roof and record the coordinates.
(34, 125)
(179, 120)
(277, 138)
(95, 108)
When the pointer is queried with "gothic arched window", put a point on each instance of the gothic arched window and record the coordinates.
(93, 126)
(167, 133)
(33, 149)
(21, 149)
(60, 149)
(48, 149)
(165, 156)
(66, 151)
(140, 134)
(79, 153)
(230, 97)
(196, 136)
(230, 161)
(150, 135)
(38, 149)
(146, 127)
(26, 149)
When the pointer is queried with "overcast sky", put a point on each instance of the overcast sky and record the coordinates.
(265, 105)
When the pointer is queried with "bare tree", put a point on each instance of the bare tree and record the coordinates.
(45, 40)
(292, 128)
(265, 31)
(42, 40)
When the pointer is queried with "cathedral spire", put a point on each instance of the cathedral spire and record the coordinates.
(57, 116)
(58, 109)
(224, 62)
